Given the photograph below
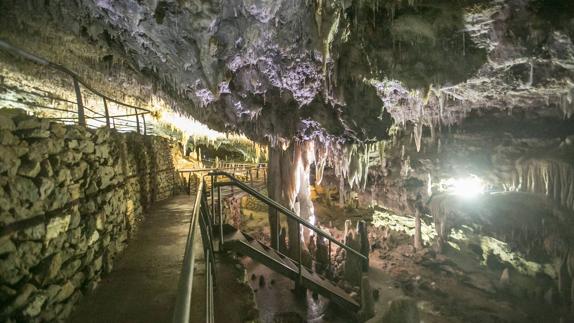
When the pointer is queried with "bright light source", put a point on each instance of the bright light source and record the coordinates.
(466, 187)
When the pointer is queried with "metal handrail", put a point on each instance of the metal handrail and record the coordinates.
(38, 60)
(81, 106)
(265, 199)
(182, 312)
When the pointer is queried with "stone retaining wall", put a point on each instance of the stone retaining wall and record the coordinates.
(70, 198)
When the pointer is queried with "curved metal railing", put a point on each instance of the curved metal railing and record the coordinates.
(123, 122)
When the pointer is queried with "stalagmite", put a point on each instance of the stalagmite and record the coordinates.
(418, 133)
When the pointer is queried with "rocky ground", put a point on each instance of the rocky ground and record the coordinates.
(457, 285)
(493, 268)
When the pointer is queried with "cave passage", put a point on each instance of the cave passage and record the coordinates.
(383, 161)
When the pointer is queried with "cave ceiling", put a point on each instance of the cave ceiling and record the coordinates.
(278, 69)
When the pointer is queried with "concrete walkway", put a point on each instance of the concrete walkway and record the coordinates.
(142, 286)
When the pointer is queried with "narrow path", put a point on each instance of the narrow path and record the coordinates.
(142, 286)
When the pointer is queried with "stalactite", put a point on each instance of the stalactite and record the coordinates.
(406, 167)
(382, 157)
(566, 103)
(321, 152)
(553, 178)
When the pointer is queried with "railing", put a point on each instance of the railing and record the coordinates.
(250, 172)
(182, 312)
(320, 234)
(205, 213)
(127, 117)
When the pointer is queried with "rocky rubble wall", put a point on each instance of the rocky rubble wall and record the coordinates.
(70, 198)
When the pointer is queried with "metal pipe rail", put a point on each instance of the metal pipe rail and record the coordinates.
(182, 311)
(110, 120)
(38, 60)
(265, 199)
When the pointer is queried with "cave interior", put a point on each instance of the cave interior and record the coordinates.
(433, 138)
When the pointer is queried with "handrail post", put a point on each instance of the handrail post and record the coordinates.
(329, 259)
(207, 291)
(213, 180)
(278, 226)
(189, 183)
(137, 120)
(107, 112)
(144, 126)
(220, 218)
(81, 116)
(362, 228)
(300, 251)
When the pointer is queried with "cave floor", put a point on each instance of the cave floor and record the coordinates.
(143, 283)
(454, 286)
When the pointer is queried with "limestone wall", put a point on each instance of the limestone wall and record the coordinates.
(70, 198)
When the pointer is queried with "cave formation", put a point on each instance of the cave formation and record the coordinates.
(437, 137)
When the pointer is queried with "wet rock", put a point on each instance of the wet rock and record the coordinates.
(47, 170)
(36, 232)
(7, 138)
(29, 123)
(70, 268)
(6, 123)
(87, 147)
(46, 187)
(11, 271)
(58, 129)
(402, 310)
(66, 291)
(29, 169)
(71, 157)
(50, 268)
(24, 295)
(56, 226)
(24, 189)
(35, 306)
(6, 245)
(6, 293)
(105, 174)
(30, 253)
(78, 279)
(9, 161)
(52, 291)
(35, 134)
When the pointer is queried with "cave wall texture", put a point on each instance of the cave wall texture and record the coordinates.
(279, 69)
(344, 74)
(70, 198)
(390, 95)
